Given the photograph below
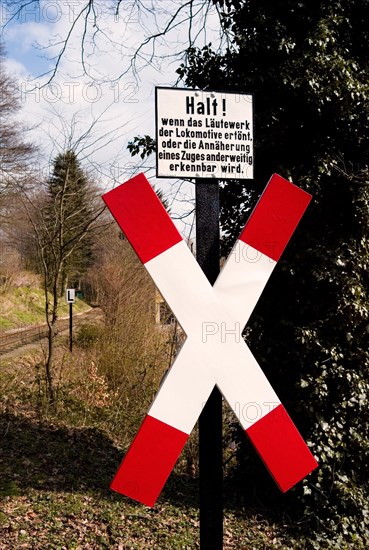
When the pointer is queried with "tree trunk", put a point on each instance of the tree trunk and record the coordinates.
(49, 363)
(51, 322)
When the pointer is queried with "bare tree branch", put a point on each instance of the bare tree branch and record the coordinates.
(162, 19)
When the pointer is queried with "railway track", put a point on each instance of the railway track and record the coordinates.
(13, 339)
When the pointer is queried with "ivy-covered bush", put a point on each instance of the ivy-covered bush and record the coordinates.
(307, 64)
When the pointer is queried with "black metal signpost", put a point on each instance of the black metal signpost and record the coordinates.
(70, 297)
(206, 135)
(210, 422)
(71, 326)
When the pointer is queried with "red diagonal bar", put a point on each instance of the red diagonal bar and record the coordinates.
(142, 217)
(282, 448)
(149, 461)
(275, 217)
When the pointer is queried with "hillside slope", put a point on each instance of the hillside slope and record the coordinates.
(24, 303)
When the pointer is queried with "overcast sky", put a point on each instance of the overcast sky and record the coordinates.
(114, 97)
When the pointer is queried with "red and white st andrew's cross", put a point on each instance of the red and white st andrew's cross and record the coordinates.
(214, 352)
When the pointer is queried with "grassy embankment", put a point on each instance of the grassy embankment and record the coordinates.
(25, 305)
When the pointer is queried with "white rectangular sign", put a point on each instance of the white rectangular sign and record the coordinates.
(204, 134)
(70, 295)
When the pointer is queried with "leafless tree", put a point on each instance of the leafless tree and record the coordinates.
(160, 22)
(16, 154)
(56, 241)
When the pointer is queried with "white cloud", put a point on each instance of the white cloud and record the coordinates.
(15, 68)
(32, 33)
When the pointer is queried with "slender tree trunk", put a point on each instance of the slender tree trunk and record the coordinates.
(63, 283)
(49, 364)
(51, 321)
